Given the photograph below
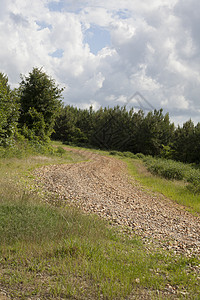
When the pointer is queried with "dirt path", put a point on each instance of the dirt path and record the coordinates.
(102, 186)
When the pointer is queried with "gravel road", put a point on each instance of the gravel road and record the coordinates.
(103, 186)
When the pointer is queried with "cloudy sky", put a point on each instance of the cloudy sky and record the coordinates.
(105, 52)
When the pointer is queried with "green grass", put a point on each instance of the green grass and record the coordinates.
(175, 190)
(59, 253)
(175, 180)
(55, 252)
(171, 170)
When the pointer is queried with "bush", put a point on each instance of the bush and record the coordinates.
(194, 187)
(130, 155)
(168, 169)
(140, 155)
(116, 153)
(193, 177)
(173, 170)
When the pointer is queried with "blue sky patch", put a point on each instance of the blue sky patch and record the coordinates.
(97, 38)
(55, 6)
(58, 53)
(124, 14)
(43, 25)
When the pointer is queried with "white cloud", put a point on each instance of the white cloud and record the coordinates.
(99, 16)
(154, 49)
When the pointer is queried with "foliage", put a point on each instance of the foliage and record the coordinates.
(193, 177)
(42, 116)
(40, 100)
(186, 144)
(122, 130)
(173, 170)
(66, 129)
(60, 151)
(127, 154)
(9, 112)
(116, 153)
(178, 191)
(155, 131)
(115, 129)
(140, 155)
(167, 151)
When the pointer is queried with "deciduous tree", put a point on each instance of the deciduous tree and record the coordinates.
(40, 100)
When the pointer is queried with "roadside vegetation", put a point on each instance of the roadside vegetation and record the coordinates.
(59, 252)
(176, 180)
(172, 170)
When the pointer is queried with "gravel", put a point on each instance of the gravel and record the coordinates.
(103, 186)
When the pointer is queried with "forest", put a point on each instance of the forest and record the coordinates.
(35, 112)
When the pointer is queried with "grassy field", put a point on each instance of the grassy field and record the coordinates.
(60, 253)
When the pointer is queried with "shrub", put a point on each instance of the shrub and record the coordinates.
(168, 169)
(116, 153)
(173, 170)
(193, 177)
(140, 155)
(194, 187)
(130, 155)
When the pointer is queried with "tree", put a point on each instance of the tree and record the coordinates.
(184, 142)
(9, 112)
(155, 131)
(40, 100)
(66, 129)
(196, 149)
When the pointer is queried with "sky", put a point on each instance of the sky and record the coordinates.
(142, 54)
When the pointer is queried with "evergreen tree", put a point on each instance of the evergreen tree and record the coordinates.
(184, 142)
(66, 128)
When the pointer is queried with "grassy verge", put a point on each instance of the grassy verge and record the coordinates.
(60, 253)
(173, 170)
(175, 190)
(175, 180)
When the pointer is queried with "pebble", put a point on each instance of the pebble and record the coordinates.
(102, 185)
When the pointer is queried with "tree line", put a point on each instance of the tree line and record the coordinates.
(127, 130)
(36, 112)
